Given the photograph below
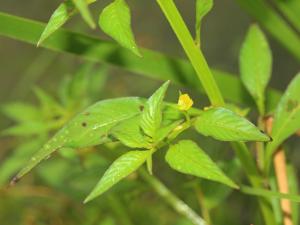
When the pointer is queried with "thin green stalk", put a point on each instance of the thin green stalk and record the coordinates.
(194, 54)
(176, 203)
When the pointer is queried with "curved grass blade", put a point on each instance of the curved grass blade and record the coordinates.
(153, 64)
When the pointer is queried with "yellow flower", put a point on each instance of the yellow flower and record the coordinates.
(184, 102)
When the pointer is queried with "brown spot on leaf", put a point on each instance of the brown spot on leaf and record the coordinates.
(87, 113)
(141, 108)
(291, 104)
(84, 124)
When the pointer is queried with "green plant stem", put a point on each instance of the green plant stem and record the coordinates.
(208, 82)
(194, 54)
(201, 200)
(176, 203)
(260, 147)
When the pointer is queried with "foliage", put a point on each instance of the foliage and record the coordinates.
(111, 139)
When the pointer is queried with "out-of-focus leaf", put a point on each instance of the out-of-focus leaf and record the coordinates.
(222, 124)
(91, 127)
(121, 168)
(16, 160)
(60, 16)
(187, 157)
(256, 65)
(115, 20)
(286, 117)
(27, 129)
(20, 112)
(291, 10)
(129, 133)
(202, 8)
(152, 113)
(82, 6)
(49, 106)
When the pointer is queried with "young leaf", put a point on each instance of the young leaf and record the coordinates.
(202, 8)
(152, 113)
(82, 6)
(122, 167)
(287, 116)
(187, 157)
(130, 134)
(60, 16)
(91, 127)
(115, 21)
(224, 125)
(256, 65)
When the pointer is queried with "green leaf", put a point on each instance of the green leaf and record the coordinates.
(152, 113)
(130, 134)
(256, 65)
(82, 6)
(115, 21)
(20, 112)
(122, 167)
(224, 125)
(89, 128)
(202, 8)
(286, 116)
(187, 157)
(60, 16)
(27, 128)
(293, 189)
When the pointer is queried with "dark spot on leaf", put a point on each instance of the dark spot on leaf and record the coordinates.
(84, 124)
(141, 108)
(87, 113)
(56, 117)
(291, 104)
(14, 181)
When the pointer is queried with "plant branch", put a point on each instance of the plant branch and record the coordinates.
(176, 203)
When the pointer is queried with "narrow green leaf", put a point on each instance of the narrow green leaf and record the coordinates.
(152, 113)
(115, 21)
(224, 125)
(130, 134)
(202, 8)
(286, 117)
(27, 129)
(59, 17)
(269, 194)
(82, 6)
(121, 168)
(187, 157)
(89, 128)
(256, 65)
(20, 112)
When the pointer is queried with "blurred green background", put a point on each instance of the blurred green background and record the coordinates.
(58, 201)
